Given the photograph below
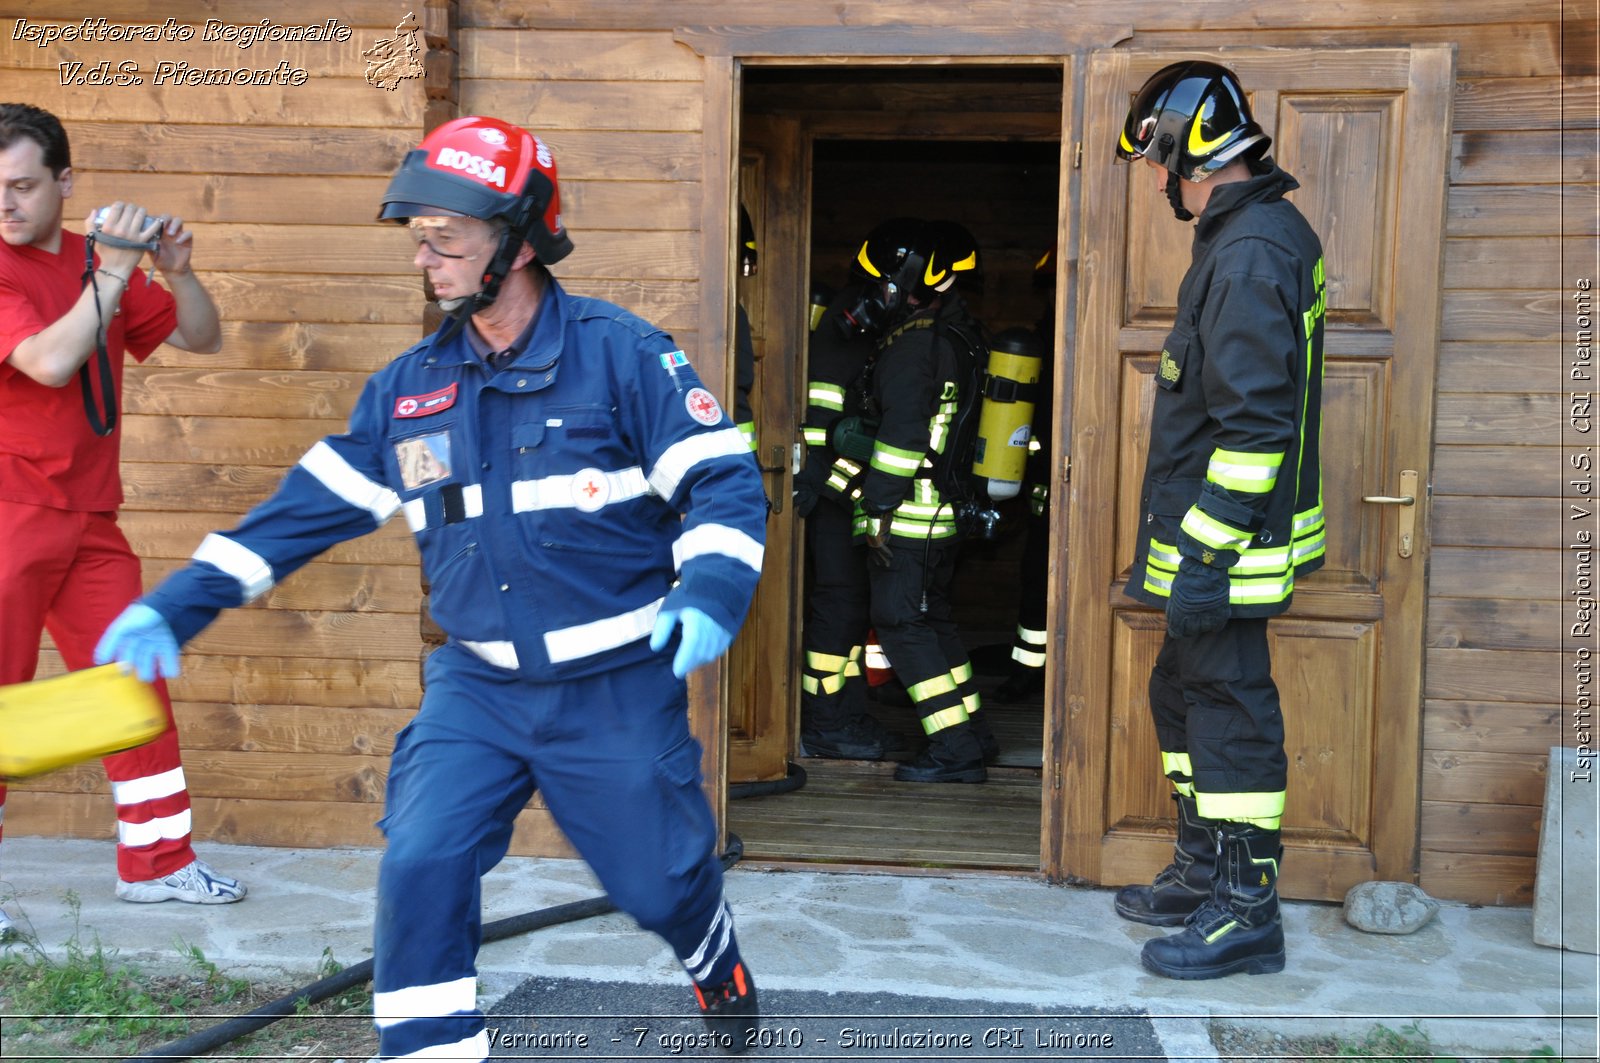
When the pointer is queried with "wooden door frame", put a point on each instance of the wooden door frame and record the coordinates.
(726, 53)
(1395, 837)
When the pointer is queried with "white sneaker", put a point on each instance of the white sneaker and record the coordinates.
(193, 883)
(7, 927)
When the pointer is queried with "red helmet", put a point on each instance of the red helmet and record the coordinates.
(483, 168)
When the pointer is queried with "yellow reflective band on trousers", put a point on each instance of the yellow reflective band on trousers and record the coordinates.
(826, 672)
(935, 722)
(814, 437)
(1027, 658)
(825, 662)
(932, 688)
(1251, 474)
(1176, 764)
(1261, 809)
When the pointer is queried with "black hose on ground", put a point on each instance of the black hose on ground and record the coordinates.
(793, 780)
(197, 1044)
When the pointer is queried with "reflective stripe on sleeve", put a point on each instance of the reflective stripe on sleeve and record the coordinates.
(825, 396)
(894, 461)
(1213, 532)
(676, 461)
(706, 539)
(239, 561)
(1254, 474)
(352, 487)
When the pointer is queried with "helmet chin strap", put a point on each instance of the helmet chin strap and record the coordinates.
(463, 307)
(1175, 197)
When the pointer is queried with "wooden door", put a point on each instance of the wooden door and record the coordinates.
(1366, 132)
(762, 668)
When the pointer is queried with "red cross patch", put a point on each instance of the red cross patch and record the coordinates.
(590, 490)
(702, 406)
(423, 405)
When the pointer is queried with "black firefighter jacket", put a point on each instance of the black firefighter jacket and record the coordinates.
(1233, 474)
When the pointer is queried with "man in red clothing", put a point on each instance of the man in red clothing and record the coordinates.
(65, 565)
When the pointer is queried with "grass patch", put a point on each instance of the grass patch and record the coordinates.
(88, 1005)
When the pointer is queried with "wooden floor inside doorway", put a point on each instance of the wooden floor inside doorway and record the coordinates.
(854, 813)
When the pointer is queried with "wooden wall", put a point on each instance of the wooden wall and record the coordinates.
(288, 706)
(622, 104)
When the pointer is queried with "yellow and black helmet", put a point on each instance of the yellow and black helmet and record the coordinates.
(955, 250)
(1193, 119)
(748, 252)
(891, 264)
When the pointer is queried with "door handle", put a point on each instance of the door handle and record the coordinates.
(1407, 500)
(780, 465)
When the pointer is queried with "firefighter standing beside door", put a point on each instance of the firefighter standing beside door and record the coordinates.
(1232, 504)
(592, 525)
(923, 334)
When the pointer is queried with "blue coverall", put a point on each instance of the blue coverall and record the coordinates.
(559, 503)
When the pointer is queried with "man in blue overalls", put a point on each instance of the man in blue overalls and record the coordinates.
(582, 506)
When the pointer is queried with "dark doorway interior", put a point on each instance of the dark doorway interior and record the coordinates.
(916, 142)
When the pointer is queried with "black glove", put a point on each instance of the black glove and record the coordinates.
(1199, 601)
(805, 498)
(878, 542)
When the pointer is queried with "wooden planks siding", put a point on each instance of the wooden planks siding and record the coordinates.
(287, 709)
(313, 298)
(1493, 641)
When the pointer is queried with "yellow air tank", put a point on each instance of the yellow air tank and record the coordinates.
(1005, 423)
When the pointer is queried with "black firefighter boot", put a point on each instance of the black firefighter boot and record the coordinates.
(1239, 928)
(1183, 885)
(953, 755)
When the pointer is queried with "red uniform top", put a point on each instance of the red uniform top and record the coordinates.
(49, 456)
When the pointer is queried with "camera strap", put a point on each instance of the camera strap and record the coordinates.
(102, 426)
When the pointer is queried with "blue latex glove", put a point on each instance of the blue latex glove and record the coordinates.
(703, 640)
(140, 638)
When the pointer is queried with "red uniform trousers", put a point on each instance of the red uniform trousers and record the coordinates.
(73, 573)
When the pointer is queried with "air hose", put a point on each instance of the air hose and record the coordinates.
(793, 780)
(197, 1044)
